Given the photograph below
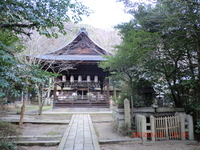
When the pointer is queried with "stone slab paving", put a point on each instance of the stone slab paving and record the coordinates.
(80, 134)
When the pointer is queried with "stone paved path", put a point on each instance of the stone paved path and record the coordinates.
(80, 134)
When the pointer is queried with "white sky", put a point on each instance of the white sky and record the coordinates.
(107, 13)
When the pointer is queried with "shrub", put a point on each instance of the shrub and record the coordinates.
(125, 130)
(120, 101)
(7, 129)
(198, 126)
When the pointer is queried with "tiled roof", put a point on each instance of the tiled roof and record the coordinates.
(71, 57)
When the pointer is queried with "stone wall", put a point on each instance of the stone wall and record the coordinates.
(119, 117)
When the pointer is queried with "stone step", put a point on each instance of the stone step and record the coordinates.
(39, 143)
(34, 136)
(37, 121)
(115, 141)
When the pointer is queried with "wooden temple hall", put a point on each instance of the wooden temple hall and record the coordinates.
(82, 83)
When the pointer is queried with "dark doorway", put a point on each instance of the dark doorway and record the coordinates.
(82, 92)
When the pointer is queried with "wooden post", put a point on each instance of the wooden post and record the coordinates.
(108, 91)
(54, 93)
(63, 84)
(166, 128)
(101, 86)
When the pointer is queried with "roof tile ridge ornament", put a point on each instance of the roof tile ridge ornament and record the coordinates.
(82, 30)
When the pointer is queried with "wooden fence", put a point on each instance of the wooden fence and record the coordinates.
(177, 127)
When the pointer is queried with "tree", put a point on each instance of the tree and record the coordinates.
(44, 16)
(124, 65)
(177, 23)
(21, 17)
(172, 51)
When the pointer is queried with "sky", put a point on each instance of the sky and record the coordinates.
(107, 13)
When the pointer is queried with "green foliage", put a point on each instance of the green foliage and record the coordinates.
(8, 146)
(124, 130)
(164, 41)
(198, 126)
(8, 129)
(120, 101)
(9, 66)
(43, 16)
(16, 77)
(21, 17)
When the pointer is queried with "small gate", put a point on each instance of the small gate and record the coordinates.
(167, 128)
(178, 127)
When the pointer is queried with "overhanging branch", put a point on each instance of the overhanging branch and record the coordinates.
(18, 25)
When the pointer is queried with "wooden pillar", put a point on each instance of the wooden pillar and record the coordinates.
(63, 84)
(101, 86)
(108, 91)
(54, 92)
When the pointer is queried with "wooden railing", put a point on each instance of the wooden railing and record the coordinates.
(81, 97)
(80, 84)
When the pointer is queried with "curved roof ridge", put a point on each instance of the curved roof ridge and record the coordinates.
(99, 46)
(83, 30)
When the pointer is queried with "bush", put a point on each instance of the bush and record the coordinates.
(124, 130)
(7, 129)
(8, 146)
(198, 126)
(120, 101)
(3, 106)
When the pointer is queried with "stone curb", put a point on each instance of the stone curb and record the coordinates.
(94, 137)
(36, 121)
(169, 142)
(40, 143)
(75, 113)
(65, 135)
(115, 141)
(34, 136)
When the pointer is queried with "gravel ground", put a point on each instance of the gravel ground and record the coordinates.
(36, 148)
(105, 131)
(43, 129)
(180, 146)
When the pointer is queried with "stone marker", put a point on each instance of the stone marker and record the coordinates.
(127, 114)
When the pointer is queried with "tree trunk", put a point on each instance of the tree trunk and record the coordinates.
(40, 107)
(22, 114)
(198, 53)
(40, 102)
(49, 91)
(132, 99)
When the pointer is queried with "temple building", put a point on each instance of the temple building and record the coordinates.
(83, 83)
